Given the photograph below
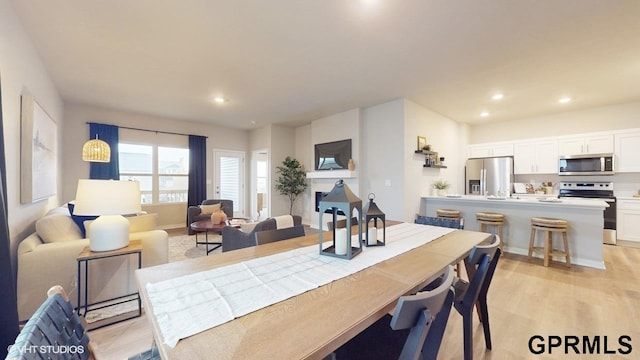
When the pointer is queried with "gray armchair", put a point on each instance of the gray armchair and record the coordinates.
(233, 238)
(195, 214)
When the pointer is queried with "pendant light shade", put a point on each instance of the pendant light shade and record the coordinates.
(96, 150)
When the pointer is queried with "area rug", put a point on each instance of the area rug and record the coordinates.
(182, 247)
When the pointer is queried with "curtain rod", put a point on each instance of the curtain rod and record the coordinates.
(155, 131)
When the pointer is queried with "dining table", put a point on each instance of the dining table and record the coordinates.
(310, 325)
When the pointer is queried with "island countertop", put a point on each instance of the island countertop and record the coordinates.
(585, 218)
(540, 200)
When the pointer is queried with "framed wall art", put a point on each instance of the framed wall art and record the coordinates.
(422, 142)
(38, 159)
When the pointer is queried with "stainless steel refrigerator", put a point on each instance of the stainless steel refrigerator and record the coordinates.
(489, 176)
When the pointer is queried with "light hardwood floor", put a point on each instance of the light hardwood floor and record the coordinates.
(525, 299)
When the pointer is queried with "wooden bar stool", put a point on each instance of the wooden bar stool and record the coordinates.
(448, 213)
(453, 215)
(492, 219)
(549, 226)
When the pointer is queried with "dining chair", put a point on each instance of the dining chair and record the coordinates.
(442, 222)
(411, 332)
(480, 265)
(268, 236)
(54, 325)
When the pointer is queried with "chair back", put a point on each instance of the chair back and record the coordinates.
(492, 265)
(268, 236)
(472, 260)
(419, 312)
(440, 222)
(54, 324)
(340, 224)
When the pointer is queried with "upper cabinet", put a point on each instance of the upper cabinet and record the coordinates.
(626, 150)
(536, 157)
(585, 144)
(490, 150)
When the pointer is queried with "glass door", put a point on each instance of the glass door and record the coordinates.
(229, 178)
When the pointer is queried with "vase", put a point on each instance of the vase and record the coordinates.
(351, 165)
(442, 192)
(218, 217)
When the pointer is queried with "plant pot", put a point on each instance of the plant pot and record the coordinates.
(441, 192)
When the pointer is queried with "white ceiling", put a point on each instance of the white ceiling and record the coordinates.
(293, 61)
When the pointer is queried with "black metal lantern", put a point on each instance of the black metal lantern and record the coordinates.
(373, 213)
(341, 199)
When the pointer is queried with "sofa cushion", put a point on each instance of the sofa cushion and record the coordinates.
(80, 219)
(210, 209)
(57, 227)
(141, 223)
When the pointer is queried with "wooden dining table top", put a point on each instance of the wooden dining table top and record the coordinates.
(315, 323)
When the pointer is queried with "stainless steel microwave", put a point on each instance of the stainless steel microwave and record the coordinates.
(592, 164)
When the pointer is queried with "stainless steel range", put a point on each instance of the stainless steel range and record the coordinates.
(595, 190)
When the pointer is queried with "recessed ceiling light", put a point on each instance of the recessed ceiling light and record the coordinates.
(497, 96)
(219, 100)
(564, 100)
(484, 114)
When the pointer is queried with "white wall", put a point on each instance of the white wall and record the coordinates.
(77, 132)
(22, 68)
(445, 136)
(383, 163)
(282, 145)
(304, 153)
(612, 117)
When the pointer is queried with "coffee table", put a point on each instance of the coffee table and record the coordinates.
(206, 226)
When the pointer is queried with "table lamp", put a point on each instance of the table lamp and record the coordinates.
(110, 199)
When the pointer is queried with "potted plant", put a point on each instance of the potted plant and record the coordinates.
(292, 180)
(440, 186)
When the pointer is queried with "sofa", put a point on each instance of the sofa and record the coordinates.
(196, 213)
(48, 257)
(233, 238)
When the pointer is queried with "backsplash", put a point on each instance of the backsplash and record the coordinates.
(625, 184)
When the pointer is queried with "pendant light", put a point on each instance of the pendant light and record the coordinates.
(96, 150)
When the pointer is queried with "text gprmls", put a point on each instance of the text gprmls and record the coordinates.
(571, 344)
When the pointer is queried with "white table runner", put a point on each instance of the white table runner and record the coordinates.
(190, 304)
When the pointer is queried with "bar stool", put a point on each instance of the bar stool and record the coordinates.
(492, 219)
(453, 215)
(448, 213)
(549, 226)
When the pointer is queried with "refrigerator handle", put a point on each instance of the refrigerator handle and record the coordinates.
(483, 181)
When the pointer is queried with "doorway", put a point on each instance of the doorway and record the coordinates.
(229, 178)
(260, 185)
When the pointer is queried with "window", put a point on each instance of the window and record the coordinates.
(165, 180)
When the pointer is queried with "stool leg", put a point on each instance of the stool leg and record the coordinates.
(566, 248)
(500, 235)
(547, 247)
(532, 238)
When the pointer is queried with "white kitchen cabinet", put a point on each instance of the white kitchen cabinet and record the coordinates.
(627, 149)
(490, 150)
(585, 144)
(536, 157)
(628, 220)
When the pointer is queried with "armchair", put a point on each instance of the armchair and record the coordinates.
(194, 213)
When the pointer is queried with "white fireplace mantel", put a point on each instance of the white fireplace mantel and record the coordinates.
(332, 174)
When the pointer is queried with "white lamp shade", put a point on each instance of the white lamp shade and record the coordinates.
(107, 197)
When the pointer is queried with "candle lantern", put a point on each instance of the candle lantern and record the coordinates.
(341, 200)
(373, 213)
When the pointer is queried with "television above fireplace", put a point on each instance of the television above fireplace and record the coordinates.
(333, 155)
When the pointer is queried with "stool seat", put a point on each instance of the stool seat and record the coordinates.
(549, 222)
(489, 216)
(448, 213)
(549, 226)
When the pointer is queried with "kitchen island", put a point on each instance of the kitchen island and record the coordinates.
(585, 217)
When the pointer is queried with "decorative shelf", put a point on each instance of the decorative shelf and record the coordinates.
(431, 159)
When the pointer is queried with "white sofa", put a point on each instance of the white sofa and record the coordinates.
(48, 257)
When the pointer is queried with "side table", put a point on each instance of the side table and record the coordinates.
(134, 248)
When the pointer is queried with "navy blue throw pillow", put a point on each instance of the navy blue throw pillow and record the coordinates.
(80, 219)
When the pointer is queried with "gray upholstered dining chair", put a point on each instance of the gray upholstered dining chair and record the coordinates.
(268, 236)
(412, 332)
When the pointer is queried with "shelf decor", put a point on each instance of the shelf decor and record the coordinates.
(341, 199)
(373, 213)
